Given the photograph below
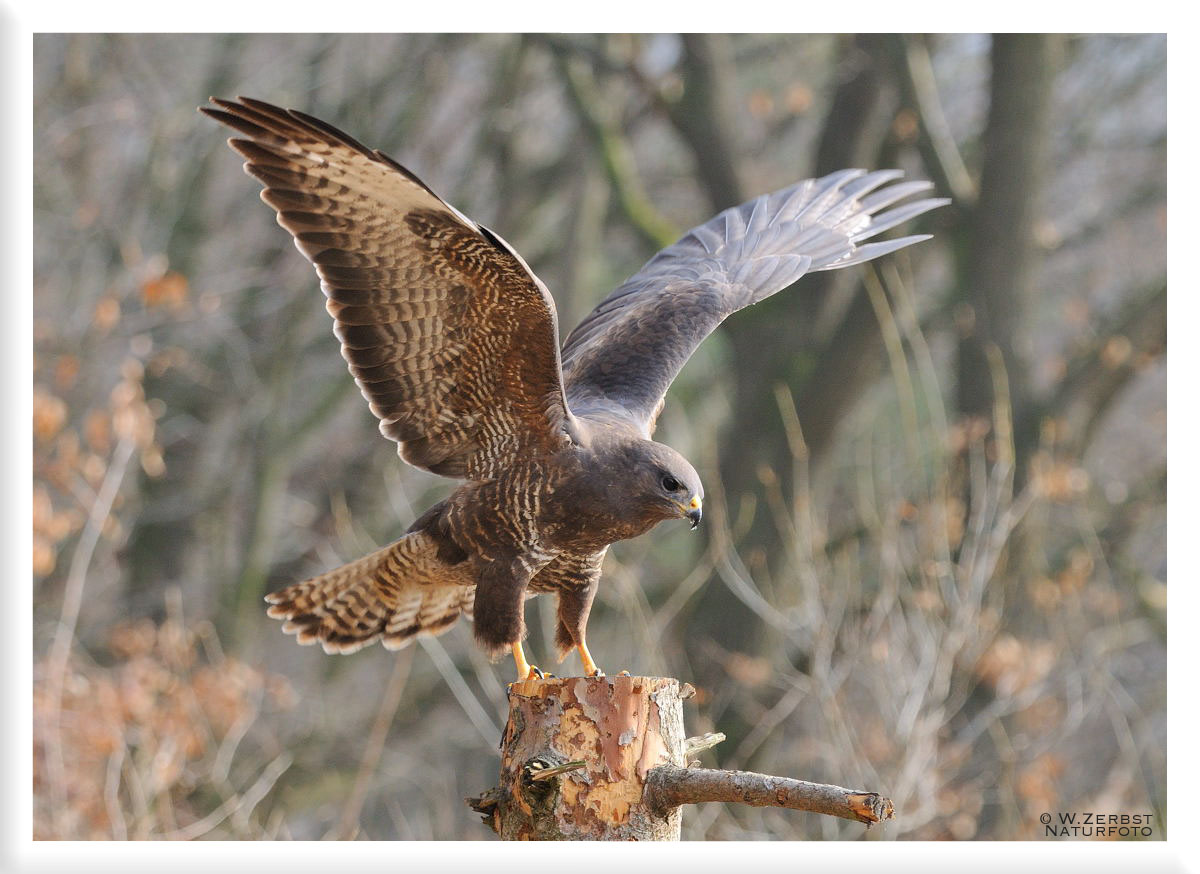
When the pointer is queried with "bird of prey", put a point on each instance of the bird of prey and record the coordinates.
(454, 343)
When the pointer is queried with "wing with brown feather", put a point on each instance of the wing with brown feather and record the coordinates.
(451, 338)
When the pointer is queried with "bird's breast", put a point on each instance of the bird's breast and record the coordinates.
(589, 511)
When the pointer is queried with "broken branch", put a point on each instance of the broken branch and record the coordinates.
(669, 786)
(703, 742)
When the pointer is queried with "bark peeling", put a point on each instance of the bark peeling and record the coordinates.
(606, 759)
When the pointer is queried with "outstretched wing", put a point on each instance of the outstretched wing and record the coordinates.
(622, 357)
(451, 338)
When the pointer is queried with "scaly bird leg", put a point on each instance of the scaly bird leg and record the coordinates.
(525, 671)
(590, 668)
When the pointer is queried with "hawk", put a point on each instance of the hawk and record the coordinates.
(454, 343)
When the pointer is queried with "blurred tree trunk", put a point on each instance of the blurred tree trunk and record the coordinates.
(1001, 253)
(827, 382)
(997, 274)
(705, 116)
(773, 344)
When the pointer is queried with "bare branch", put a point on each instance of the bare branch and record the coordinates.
(1137, 333)
(614, 152)
(669, 787)
(1003, 255)
(703, 115)
(938, 147)
(64, 638)
(388, 706)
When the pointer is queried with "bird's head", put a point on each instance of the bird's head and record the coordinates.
(668, 485)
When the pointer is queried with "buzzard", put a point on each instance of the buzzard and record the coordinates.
(454, 343)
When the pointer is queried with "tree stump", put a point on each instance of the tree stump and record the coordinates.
(607, 759)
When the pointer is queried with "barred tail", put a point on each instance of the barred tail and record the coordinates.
(393, 594)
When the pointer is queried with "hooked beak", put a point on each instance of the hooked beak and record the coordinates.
(694, 512)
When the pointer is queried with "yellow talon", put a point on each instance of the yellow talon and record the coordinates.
(526, 671)
(590, 668)
(523, 667)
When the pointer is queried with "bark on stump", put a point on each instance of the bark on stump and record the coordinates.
(607, 759)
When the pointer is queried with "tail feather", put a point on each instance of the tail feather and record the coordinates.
(393, 594)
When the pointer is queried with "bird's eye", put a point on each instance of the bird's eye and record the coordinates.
(671, 484)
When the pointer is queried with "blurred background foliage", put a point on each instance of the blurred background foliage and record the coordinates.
(936, 561)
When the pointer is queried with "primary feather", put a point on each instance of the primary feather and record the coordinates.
(624, 355)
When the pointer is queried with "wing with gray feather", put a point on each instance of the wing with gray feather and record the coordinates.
(622, 357)
(451, 338)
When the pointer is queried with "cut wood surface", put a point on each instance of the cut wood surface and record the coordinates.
(607, 759)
